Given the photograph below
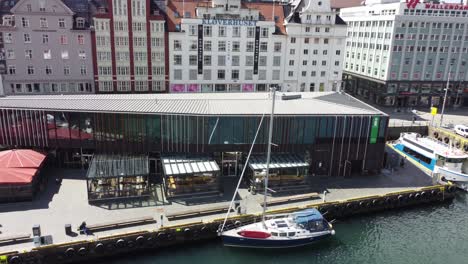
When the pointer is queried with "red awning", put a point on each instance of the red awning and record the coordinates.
(10, 176)
(21, 158)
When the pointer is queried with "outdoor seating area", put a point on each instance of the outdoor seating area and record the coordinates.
(118, 176)
(20, 174)
(285, 170)
(190, 175)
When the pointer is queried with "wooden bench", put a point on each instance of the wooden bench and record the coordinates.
(195, 212)
(120, 224)
(14, 238)
(294, 198)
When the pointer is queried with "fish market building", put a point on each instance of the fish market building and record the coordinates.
(194, 140)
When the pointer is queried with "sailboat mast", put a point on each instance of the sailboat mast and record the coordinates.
(270, 134)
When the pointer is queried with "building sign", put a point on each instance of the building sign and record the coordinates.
(229, 22)
(256, 49)
(200, 49)
(374, 129)
(413, 3)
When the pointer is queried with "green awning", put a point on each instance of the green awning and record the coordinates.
(258, 162)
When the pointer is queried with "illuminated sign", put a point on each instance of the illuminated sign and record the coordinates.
(229, 22)
(413, 3)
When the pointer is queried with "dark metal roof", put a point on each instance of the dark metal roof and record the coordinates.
(113, 166)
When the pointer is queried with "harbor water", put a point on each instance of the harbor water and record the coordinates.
(430, 234)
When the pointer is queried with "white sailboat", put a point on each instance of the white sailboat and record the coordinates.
(277, 231)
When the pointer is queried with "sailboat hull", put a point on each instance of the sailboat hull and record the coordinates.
(238, 241)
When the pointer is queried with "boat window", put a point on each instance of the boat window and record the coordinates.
(282, 234)
(455, 160)
(274, 234)
(291, 234)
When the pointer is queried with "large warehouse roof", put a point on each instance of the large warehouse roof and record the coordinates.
(318, 103)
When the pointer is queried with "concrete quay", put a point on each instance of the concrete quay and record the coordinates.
(67, 204)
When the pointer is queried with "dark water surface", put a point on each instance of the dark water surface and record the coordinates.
(432, 234)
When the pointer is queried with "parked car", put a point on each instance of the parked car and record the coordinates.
(461, 130)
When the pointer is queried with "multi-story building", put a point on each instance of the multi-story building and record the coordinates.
(315, 42)
(46, 48)
(221, 46)
(129, 46)
(402, 54)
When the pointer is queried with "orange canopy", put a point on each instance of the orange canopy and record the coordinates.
(21, 158)
(16, 176)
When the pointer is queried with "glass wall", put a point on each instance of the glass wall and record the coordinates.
(135, 133)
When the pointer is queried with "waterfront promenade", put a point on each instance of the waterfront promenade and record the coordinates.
(67, 204)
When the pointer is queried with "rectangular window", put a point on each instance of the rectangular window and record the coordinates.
(207, 45)
(276, 75)
(10, 54)
(11, 70)
(222, 46)
(177, 45)
(207, 60)
(264, 33)
(236, 32)
(248, 75)
(221, 60)
(47, 55)
(43, 22)
(177, 74)
(45, 39)
(24, 22)
(83, 70)
(221, 74)
(250, 46)
(48, 70)
(63, 40)
(262, 61)
(193, 60)
(81, 40)
(221, 31)
(251, 32)
(193, 74)
(193, 30)
(61, 22)
(249, 61)
(235, 46)
(64, 54)
(30, 69)
(177, 59)
(277, 61)
(235, 61)
(277, 47)
(235, 74)
(27, 38)
(206, 75)
(82, 54)
(263, 46)
(28, 54)
(207, 32)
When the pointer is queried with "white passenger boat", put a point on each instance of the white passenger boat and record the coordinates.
(450, 163)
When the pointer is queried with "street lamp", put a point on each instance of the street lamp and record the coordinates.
(445, 96)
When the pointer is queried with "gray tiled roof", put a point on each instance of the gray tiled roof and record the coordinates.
(318, 103)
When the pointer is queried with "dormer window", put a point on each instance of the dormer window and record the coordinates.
(80, 22)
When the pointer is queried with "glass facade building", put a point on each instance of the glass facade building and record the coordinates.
(335, 145)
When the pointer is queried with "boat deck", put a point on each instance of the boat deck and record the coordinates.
(439, 147)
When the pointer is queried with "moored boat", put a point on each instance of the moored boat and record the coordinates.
(450, 163)
(281, 231)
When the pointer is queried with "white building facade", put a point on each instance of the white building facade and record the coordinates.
(239, 46)
(315, 41)
(402, 53)
(129, 47)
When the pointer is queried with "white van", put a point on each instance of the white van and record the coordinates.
(461, 130)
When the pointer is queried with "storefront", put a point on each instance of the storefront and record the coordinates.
(285, 170)
(117, 177)
(190, 176)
